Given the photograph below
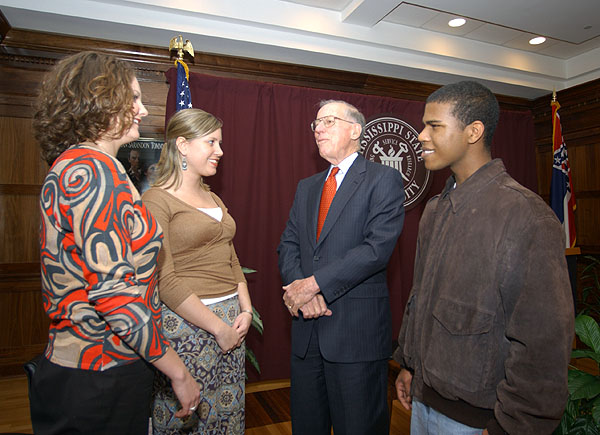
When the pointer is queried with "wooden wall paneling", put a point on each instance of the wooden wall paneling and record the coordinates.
(154, 96)
(12, 359)
(26, 305)
(18, 88)
(586, 220)
(21, 162)
(23, 323)
(16, 80)
(586, 164)
(582, 118)
(19, 227)
(21, 174)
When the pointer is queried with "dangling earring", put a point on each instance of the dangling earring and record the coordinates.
(184, 163)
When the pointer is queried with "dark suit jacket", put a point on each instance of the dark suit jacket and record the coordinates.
(349, 261)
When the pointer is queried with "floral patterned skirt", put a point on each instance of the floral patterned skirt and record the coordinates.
(221, 378)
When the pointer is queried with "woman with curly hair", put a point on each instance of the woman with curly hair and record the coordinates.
(206, 305)
(99, 246)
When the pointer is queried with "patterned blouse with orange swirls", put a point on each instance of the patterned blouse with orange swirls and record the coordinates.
(98, 246)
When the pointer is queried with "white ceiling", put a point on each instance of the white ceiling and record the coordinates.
(383, 37)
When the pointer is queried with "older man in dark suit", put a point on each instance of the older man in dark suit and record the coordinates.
(333, 255)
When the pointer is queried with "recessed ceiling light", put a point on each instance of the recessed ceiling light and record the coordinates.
(537, 40)
(457, 22)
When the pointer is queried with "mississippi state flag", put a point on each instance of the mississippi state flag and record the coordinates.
(184, 97)
(562, 198)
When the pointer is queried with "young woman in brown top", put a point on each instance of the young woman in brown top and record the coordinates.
(206, 305)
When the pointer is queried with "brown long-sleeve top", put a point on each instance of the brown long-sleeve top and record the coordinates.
(197, 256)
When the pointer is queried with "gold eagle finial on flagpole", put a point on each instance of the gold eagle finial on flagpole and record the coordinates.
(177, 44)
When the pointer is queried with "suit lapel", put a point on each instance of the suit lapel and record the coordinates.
(352, 180)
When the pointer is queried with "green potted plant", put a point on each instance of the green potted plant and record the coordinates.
(582, 414)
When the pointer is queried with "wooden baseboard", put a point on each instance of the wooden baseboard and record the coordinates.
(255, 387)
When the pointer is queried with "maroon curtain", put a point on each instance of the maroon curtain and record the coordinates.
(268, 147)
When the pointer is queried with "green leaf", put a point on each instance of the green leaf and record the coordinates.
(593, 428)
(572, 409)
(586, 353)
(252, 358)
(568, 418)
(588, 331)
(593, 261)
(257, 321)
(596, 411)
(583, 385)
(258, 325)
(583, 426)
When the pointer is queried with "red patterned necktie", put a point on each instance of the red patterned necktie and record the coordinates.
(329, 190)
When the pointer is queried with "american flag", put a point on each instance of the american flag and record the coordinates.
(184, 97)
(562, 197)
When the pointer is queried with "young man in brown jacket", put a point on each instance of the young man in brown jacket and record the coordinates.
(487, 331)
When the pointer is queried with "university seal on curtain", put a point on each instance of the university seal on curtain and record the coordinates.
(393, 142)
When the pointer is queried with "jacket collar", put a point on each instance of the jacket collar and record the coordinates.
(459, 195)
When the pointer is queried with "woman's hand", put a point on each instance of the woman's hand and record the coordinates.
(188, 394)
(227, 337)
(242, 324)
(184, 385)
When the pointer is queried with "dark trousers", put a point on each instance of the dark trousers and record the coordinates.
(74, 401)
(350, 396)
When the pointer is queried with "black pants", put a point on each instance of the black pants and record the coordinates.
(351, 397)
(74, 401)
